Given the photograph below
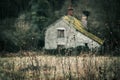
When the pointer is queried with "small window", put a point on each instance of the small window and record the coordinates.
(60, 46)
(86, 48)
(86, 44)
(60, 33)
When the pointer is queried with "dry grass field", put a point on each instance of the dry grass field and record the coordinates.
(46, 67)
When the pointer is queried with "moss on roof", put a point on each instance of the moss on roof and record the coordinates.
(77, 25)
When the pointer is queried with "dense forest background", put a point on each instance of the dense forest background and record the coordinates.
(23, 22)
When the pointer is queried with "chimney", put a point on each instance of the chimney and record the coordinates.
(84, 18)
(70, 10)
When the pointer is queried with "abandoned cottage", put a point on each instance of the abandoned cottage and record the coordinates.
(69, 32)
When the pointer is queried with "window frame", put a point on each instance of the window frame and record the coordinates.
(60, 33)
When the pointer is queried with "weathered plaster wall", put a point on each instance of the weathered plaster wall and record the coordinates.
(73, 38)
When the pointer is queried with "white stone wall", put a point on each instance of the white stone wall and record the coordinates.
(73, 38)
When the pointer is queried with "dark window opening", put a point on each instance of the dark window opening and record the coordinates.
(60, 46)
(86, 48)
(86, 44)
(60, 34)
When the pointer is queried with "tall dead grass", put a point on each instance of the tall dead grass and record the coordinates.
(44, 67)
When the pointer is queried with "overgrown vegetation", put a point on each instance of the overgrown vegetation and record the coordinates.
(84, 67)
